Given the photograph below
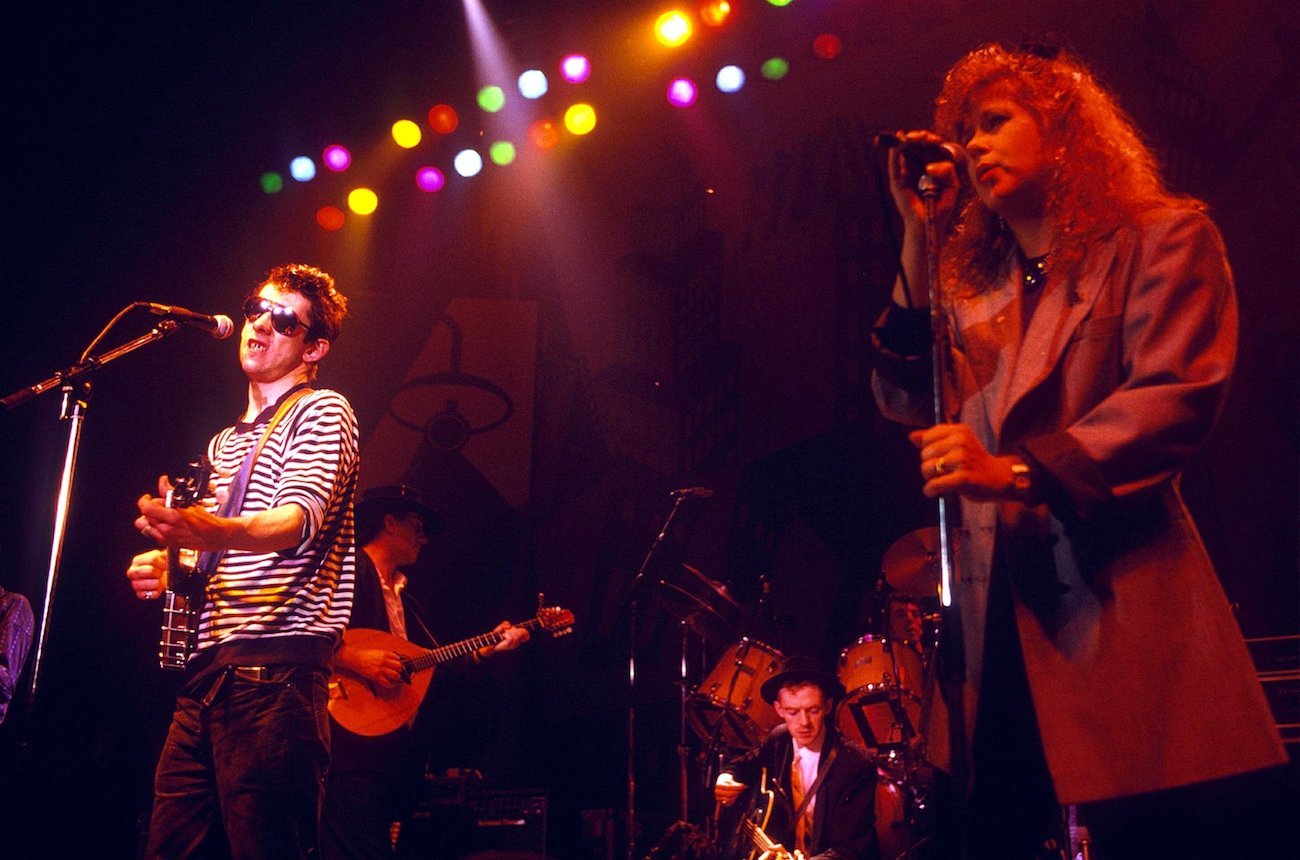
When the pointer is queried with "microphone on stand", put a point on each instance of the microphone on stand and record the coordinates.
(918, 154)
(693, 492)
(925, 150)
(219, 326)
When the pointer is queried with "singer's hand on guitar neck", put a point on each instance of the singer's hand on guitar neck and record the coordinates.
(195, 528)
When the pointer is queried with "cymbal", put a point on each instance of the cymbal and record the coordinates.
(911, 565)
(715, 588)
(695, 613)
(704, 605)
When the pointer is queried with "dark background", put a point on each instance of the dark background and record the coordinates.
(702, 284)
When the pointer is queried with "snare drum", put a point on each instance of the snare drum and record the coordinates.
(727, 707)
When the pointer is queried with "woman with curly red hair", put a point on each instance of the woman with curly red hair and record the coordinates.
(1092, 325)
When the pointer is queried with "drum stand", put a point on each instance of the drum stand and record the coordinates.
(679, 497)
(912, 756)
(682, 838)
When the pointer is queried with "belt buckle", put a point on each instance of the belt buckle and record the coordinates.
(251, 673)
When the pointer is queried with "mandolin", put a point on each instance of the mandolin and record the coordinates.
(363, 708)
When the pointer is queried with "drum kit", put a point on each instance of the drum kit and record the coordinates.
(884, 678)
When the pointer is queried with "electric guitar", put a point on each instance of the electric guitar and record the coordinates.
(363, 708)
(753, 838)
(183, 599)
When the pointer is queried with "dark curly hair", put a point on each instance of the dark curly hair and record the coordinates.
(1105, 174)
(328, 305)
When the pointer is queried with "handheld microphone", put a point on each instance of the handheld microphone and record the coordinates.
(219, 326)
(917, 154)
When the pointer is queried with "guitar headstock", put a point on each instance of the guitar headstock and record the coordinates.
(555, 621)
(190, 485)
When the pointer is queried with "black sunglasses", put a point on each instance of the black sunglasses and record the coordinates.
(283, 318)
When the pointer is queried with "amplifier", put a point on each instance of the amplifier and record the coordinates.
(487, 824)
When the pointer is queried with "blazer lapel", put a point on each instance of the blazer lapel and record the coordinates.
(991, 323)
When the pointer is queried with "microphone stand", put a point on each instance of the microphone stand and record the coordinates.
(950, 659)
(929, 190)
(679, 496)
(74, 382)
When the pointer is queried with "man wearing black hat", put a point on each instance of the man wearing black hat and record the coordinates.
(824, 787)
(370, 776)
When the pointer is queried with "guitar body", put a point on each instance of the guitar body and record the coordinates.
(749, 838)
(364, 708)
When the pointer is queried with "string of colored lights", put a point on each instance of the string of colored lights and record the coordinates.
(671, 29)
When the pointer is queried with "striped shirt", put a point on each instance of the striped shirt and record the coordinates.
(311, 459)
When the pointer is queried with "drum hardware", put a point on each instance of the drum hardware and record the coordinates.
(883, 710)
(682, 839)
(631, 600)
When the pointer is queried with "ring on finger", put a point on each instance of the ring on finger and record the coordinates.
(939, 466)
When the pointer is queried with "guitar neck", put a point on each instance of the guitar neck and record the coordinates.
(446, 653)
(758, 836)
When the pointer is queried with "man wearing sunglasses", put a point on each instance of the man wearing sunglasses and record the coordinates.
(243, 767)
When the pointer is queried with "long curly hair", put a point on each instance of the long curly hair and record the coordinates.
(1105, 174)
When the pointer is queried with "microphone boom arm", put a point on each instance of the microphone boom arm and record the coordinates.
(87, 366)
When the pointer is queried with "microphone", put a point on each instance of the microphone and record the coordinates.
(919, 153)
(693, 492)
(219, 326)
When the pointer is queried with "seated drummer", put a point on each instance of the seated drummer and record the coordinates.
(903, 622)
(824, 786)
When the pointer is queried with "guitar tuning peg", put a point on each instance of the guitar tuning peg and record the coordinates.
(541, 599)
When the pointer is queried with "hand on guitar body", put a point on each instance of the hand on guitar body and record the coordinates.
(386, 669)
(148, 574)
(726, 789)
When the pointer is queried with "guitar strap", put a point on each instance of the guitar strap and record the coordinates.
(209, 560)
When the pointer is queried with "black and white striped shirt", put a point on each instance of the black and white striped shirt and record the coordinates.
(311, 459)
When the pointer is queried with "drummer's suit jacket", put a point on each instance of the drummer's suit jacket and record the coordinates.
(1139, 675)
(844, 814)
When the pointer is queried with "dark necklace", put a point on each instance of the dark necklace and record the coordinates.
(1033, 270)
